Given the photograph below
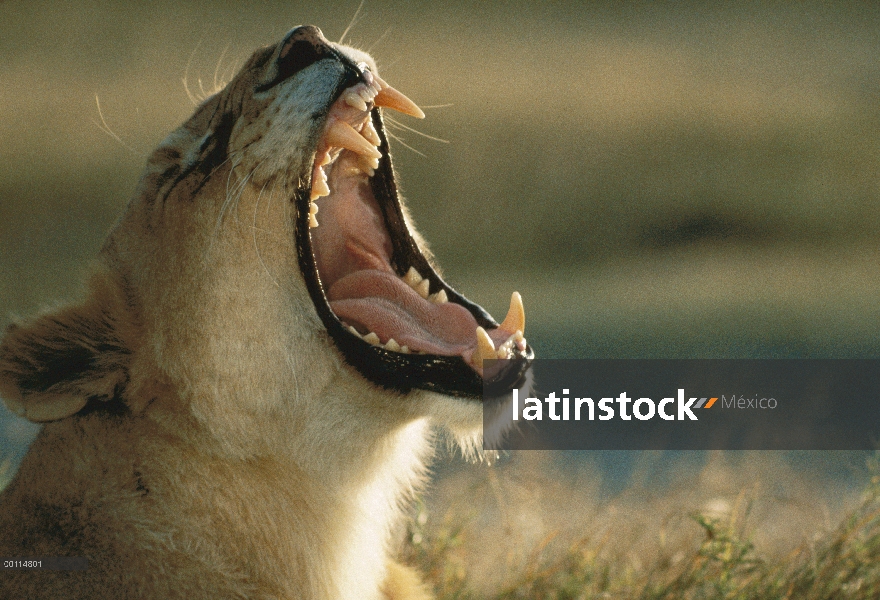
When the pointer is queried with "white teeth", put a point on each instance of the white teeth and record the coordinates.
(507, 348)
(372, 338)
(485, 347)
(412, 277)
(319, 185)
(354, 100)
(313, 210)
(423, 288)
(343, 135)
(369, 132)
(368, 164)
(439, 297)
(367, 93)
(516, 315)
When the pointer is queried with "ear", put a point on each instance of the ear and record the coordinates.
(53, 365)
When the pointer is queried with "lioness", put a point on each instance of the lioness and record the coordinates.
(244, 400)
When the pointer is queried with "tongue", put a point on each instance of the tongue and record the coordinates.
(381, 302)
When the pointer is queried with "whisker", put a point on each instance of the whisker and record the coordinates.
(436, 106)
(230, 72)
(189, 94)
(217, 68)
(352, 22)
(376, 43)
(228, 199)
(201, 87)
(106, 128)
(254, 231)
(400, 141)
(395, 123)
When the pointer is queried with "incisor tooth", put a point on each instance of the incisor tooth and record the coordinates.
(392, 345)
(313, 222)
(412, 277)
(391, 98)
(372, 338)
(353, 330)
(319, 187)
(439, 297)
(343, 135)
(423, 288)
(354, 100)
(516, 315)
(485, 347)
(404, 349)
(368, 164)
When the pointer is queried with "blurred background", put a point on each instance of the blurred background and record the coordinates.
(657, 179)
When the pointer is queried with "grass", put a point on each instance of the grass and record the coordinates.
(721, 563)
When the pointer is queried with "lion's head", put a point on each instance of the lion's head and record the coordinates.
(267, 255)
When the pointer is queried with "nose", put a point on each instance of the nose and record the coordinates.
(301, 48)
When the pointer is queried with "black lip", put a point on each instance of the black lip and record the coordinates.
(449, 375)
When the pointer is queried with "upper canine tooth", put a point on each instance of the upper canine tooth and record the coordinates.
(343, 135)
(439, 297)
(391, 98)
(516, 315)
(412, 277)
(354, 100)
(485, 347)
(423, 288)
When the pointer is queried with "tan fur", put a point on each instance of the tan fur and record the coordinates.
(204, 437)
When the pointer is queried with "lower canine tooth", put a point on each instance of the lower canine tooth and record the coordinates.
(516, 315)
(412, 277)
(485, 347)
(372, 338)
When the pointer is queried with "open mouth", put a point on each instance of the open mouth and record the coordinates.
(387, 310)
